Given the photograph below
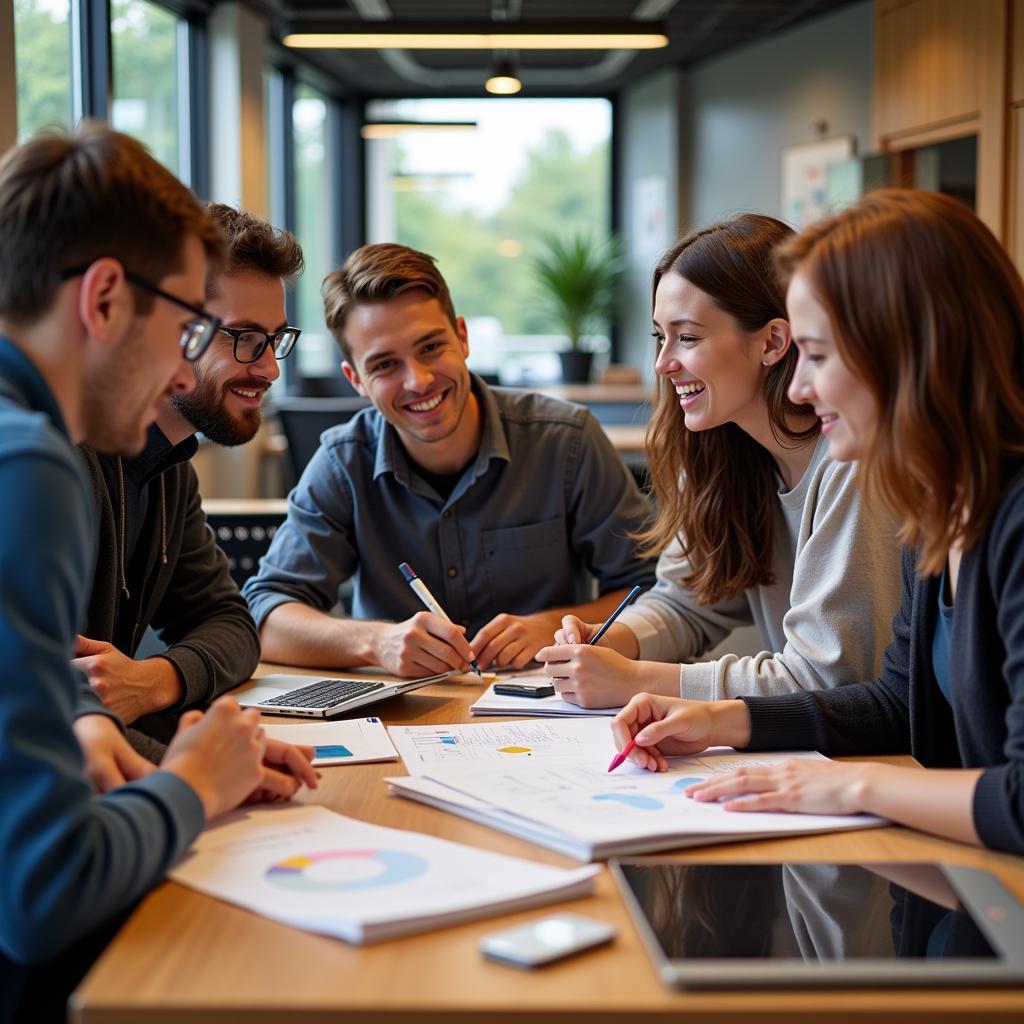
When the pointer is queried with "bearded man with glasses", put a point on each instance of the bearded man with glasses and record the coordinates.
(158, 563)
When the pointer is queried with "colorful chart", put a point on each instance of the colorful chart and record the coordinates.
(337, 870)
(515, 750)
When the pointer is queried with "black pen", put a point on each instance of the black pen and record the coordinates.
(615, 614)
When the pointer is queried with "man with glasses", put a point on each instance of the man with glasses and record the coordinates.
(158, 563)
(104, 257)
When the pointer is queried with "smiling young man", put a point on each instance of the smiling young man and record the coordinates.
(158, 564)
(508, 504)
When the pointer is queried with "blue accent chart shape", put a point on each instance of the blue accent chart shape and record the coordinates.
(635, 800)
(333, 750)
(680, 784)
(338, 870)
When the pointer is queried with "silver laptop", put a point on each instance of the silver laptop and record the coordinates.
(324, 697)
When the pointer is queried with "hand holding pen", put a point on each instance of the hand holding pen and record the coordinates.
(431, 603)
(591, 676)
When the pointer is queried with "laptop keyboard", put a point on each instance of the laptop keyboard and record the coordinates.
(324, 694)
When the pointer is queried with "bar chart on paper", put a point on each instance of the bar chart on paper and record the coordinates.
(421, 746)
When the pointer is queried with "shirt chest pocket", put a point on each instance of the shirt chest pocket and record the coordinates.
(518, 557)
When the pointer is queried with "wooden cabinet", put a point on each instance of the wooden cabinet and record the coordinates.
(1015, 163)
(941, 73)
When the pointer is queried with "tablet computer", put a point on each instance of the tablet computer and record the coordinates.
(713, 925)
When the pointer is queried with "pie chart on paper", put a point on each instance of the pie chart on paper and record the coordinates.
(338, 870)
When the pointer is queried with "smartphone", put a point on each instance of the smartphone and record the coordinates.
(525, 689)
(544, 941)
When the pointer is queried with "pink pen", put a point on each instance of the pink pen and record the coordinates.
(622, 755)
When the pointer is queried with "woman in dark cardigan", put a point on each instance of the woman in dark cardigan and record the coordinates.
(909, 319)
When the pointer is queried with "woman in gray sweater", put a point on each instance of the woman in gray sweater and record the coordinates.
(756, 523)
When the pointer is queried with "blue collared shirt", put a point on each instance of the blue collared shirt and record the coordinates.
(545, 508)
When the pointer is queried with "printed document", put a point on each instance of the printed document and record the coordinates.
(549, 782)
(326, 873)
(352, 741)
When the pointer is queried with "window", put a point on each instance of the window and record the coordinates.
(148, 45)
(42, 39)
(482, 198)
(313, 127)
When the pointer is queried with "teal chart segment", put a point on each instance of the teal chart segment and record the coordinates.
(642, 801)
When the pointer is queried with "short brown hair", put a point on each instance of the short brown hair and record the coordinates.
(377, 273)
(715, 489)
(69, 198)
(927, 311)
(255, 244)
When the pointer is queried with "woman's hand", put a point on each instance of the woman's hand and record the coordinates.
(803, 787)
(671, 727)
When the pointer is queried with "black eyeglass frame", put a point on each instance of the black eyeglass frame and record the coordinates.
(193, 343)
(235, 333)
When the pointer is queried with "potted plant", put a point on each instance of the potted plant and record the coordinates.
(579, 280)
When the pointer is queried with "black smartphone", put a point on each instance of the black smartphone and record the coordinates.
(525, 689)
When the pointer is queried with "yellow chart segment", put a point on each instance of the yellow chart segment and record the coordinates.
(514, 750)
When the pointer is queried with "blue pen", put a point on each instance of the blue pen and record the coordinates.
(615, 614)
(420, 589)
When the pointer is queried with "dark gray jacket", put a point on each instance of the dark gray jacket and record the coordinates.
(179, 583)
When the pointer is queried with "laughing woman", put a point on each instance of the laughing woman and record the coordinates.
(756, 524)
(909, 318)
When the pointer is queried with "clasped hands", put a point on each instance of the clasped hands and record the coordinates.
(224, 755)
(427, 644)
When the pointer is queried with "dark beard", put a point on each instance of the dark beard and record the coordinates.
(204, 409)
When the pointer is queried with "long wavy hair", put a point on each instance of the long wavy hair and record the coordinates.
(716, 488)
(927, 311)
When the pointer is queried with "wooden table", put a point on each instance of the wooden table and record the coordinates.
(186, 956)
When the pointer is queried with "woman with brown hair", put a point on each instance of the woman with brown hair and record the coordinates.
(756, 522)
(909, 318)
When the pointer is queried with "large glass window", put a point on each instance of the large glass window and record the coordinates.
(482, 198)
(149, 91)
(42, 40)
(312, 124)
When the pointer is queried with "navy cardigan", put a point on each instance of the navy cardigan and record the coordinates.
(905, 712)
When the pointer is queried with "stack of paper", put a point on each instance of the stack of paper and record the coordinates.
(491, 703)
(548, 782)
(325, 873)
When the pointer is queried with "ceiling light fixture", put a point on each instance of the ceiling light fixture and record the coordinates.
(503, 81)
(543, 35)
(393, 129)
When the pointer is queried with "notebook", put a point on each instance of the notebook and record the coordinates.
(312, 697)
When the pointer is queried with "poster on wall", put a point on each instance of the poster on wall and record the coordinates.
(805, 195)
(650, 215)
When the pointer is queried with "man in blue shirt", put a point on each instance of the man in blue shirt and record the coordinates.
(509, 505)
(103, 261)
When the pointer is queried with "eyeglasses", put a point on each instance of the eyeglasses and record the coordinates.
(196, 335)
(250, 344)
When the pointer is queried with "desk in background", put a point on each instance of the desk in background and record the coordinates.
(187, 957)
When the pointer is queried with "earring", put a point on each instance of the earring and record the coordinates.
(764, 362)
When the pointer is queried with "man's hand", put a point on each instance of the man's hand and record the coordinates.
(511, 641)
(424, 645)
(110, 760)
(286, 767)
(129, 688)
